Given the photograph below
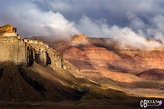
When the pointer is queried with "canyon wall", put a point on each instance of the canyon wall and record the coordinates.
(42, 53)
(12, 49)
(26, 51)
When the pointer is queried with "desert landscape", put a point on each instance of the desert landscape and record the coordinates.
(81, 72)
(73, 54)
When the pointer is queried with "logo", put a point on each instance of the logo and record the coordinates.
(150, 103)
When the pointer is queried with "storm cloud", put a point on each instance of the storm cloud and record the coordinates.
(129, 22)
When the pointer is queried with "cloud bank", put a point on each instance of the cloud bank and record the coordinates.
(31, 21)
(130, 23)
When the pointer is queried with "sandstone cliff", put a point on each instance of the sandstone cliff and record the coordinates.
(26, 51)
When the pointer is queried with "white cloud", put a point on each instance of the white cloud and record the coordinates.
(125, 37)
(128, 22)
(33, 22)
(93, 28)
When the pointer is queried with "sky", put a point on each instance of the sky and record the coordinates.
(129, 22)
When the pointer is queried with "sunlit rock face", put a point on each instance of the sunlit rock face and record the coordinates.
(80, 40)
(26, 51)
(43, 54)
(142, 60)
(104, 59)
(7, 29)
(11, 46)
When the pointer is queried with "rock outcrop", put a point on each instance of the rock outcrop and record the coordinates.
(7, 29)
(26, 51)
(42, 53)
(80, 40)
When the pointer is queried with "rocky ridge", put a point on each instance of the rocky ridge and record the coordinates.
(102, 57)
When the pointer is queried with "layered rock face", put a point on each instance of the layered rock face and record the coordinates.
(42, 53)
(100, 58)
(26, 51)
(101, 53)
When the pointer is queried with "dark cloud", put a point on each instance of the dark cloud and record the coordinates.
(114, 10)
